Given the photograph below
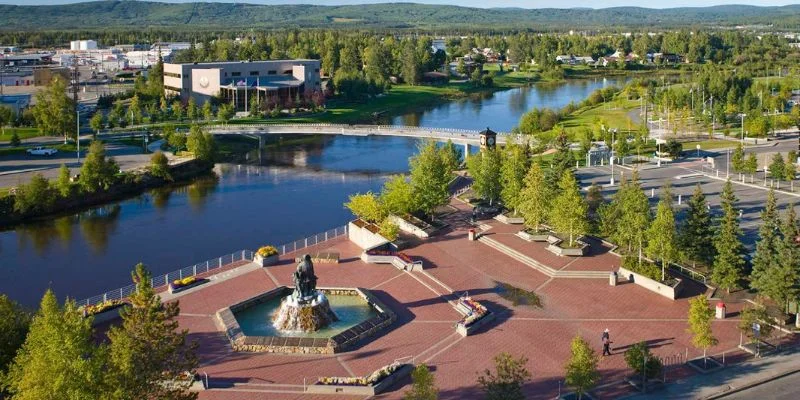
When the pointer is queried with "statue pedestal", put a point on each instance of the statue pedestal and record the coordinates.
(308, 314)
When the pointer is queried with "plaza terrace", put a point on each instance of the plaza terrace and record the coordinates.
(423, 331)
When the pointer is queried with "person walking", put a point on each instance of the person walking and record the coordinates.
(606, 338)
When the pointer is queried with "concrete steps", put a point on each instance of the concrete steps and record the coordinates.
(550, 272)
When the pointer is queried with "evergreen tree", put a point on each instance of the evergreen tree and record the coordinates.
(512, 175)
(208, 113)
(783, 281)
(507, 380)
(177, 110)
(201, 144)
(412, 70)
(777, 167)
(534, 198)
(135, 110)
(697, 233)
(729, 263)
(737, 158)
(581, 370)
(568, 213)
(766, 255)
(791, 166)
(423, 385)
(149, 355)
(59, 359)
(15, 140)
(751, 164)
(661, 235)
(700, 317)
(429, 178)
(155, 79)
(191, 109)
(14, 324)
(159, 166)
(225, 112)
(485, 169)
(37, 196)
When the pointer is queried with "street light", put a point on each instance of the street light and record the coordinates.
(613, 132)
(728, 164)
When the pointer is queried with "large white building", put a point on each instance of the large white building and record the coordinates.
(239, 82)
(77, 45)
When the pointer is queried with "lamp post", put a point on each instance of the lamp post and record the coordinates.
(613, 132)
(728, 164)
(742, 115)
(78, 134)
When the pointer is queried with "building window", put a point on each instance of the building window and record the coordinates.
(172, 75)
(316, 70)
(174, 89)
(236, 74)
(287, 72)
(273, 72)
(253, 73)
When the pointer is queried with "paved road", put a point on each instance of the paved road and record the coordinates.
(785, 388)
(128, 157)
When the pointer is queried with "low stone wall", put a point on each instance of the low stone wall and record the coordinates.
(396, 261)
(106, 316)
(359, 233)
(531, 237)
(670, 292)
(354, 390)
(408, 227)
(226, 322)
(556, 248)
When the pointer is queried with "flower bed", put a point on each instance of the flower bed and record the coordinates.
(101, 307)
(370, 385)
(475, 315)
(185, 283)
(266, 251)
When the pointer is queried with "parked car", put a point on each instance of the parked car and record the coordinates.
(42, 151)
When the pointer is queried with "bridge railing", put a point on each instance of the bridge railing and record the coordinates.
(161, 280)
(360, 127)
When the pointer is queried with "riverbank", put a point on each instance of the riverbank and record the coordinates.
(139, 182)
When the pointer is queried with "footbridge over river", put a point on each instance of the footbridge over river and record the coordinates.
(458, 136)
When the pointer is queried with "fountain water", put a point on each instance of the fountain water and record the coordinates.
(306, 309)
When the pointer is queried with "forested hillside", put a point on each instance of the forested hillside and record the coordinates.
(190, 16)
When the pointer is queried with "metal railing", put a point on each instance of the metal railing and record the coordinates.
(463, 190)
(213, 264)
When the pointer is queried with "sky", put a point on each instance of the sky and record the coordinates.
(478, 3)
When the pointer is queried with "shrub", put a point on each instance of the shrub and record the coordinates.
(266, 251)
(635, 358)
(389, 230)
(15, 139)
(34, 197)
(646, 268)
(159, 166)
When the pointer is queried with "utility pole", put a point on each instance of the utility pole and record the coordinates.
(75, 78)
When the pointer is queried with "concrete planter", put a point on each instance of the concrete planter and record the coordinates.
(108, 315)
(365, 235)
(670, 292)
(555, 247)
(470, 330)
(408, 227)
(509, 220)
(172, 289)
(370, 390)
(266, 261)
(533, 237)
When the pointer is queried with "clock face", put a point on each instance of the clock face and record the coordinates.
(491, 141)
(204, 82)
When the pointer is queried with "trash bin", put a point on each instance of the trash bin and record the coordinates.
(613, 278)
(720, 310)
(472, 234)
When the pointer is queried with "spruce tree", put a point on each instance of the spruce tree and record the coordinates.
(766, 255)
(14, 324)
(783, 282)
(59, 359)
(150, 357)
(729, 263)
(737, 158)
(697, 232)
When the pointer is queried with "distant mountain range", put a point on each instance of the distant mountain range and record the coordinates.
(132, 14)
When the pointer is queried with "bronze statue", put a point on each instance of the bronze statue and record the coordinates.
(305, 282)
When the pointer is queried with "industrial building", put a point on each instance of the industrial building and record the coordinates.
(82, 45)
(238, 82)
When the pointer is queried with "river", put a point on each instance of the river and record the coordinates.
(293, 192)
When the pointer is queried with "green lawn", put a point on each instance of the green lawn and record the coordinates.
(614, 113)
(23, 133)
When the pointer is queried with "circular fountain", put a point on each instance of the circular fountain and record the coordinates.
(306, 309)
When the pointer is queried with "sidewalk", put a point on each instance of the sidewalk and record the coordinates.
(731, 379)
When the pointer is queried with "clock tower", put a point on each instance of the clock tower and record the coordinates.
(488, 139)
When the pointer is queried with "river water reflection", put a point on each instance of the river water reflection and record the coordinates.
(293, 192)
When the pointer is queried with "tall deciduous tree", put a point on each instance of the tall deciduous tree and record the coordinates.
(412, 69)
(97, 171)
(581, 369)
(201, 144)
(535, 198)
(633, 218)
(397, 196)
(451, 156)
(150, 356)
(700, 317)
(507, 380)
(423, 385)
(429, 178)
(661, 235)
(729, 262)
(568, 213)
(96, 123)
(512, 175)
(366, 206)
(54, 111)
(697, 232)
(63, 184)
(59, 358)
(485, 169)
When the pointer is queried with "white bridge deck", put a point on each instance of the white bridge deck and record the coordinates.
(459, 136)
